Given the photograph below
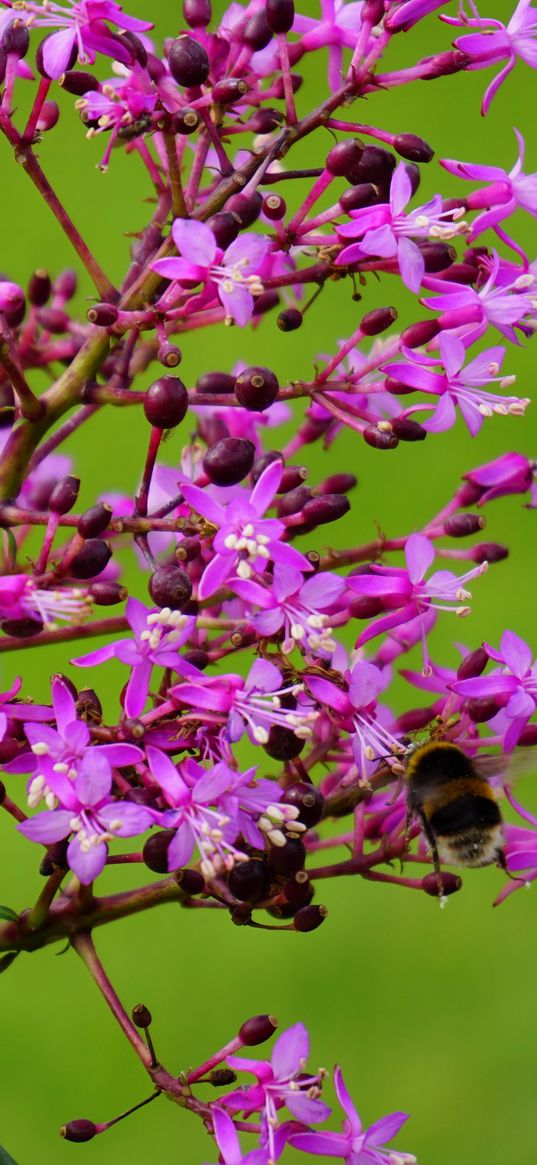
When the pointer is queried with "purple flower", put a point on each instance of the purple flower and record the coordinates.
(506, 192)
(296, 606)
(356, 1145)
(339, 26)
(384, 230)
(409, 592)
(514, 687)
(496, 42)
(90, 813)
(370, 739)
(231, 274)
(280, 1081)
(505, 305)
(229, 1144)
(246, 542)
(511, 473)
(157, 637)
(193, 795)
(82, 25)
(458, 386)
(20, 598)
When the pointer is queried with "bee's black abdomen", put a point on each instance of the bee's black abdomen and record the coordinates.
(465, 812)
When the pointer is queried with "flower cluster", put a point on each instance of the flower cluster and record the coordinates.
(257, 684)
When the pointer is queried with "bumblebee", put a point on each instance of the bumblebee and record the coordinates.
(455, 805)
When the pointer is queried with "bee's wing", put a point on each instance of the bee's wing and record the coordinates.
(507, 768)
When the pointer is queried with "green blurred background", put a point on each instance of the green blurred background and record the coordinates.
(428, 1011)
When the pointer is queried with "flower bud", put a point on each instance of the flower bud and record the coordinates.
(16, 38)
(309, 918)
(219, 383)
(292, 478)
(364, 194)
(420, 333)
(287, 859)
(257, 1030)
(191, 881)
(380, 438)
(225, 228)
(462, 525)
(229, 460)
(155, 851)
(64, 494)
(343, 157)
(246, 207)
(11, 296)
(472, 664)
(141, 1016)
(55, 858)
(107, 593)
(308, 799)
(338, 483)
(282, 743)
(95, 520)
(265, 302)
(78, 1131)
(372, 12)
(104, 315)
(166, 402)
(220, 1077)
(169, 586)
(21, 628)
(91, 559)
(298, 891)
(414, 720)
(188, 549)
(188, 62)
(442, 65)
(78, 83)
(450, 883)
(376, 165)
(39, 288)
(327, 508)
(378, 321)
(481, 709)
(274, 207)
(437, 257)
(229, 90)
(290, 320)
(408, 145)
(407, 430)
(65, 284)
(257, 33)
(89, 707)
(280, 15)
(197, 13)
(397, 388)
(249, 881)
(185, 121)
(265, 120)
(256, 388)
(489, 552)
(294, 501)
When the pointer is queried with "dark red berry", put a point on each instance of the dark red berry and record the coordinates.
(257, 33)
(64, 494)
(95, 520)
(185, 122)
(364, 194)
(225, 228)
(197, 13)
(472, 664)
(380, 438)
(249, 881)
(169, 586)
(141, 1016)
(257, 1030)
(39, 288)
(287, 859)
(91, 559)
(481, 709)
(309, 918)
(408, 145)
(78, 1131)
(378, 320)
(188, 62)
(191, 881)
(343, 157)
(274, 207)
(78, 82)
(16, 38)
(308, 799)
(246, 207)
(280, 15)
(229, 90)
(166, 402)
(256, 388)
(290, 320)
(107, 593)
(325, 509)
(450, 883)
(407, 430)
(155, 851)
(104, 315)
(229, 460)
(420, 333)
(282, 743)
(463, 525)
(219, 383)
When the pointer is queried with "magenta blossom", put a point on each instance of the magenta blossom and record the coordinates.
(494, 42)
(231, 274)
(511, 473)
(246, 542)
(385, 231)
(370, 739)
(83, 26)
(20, 598)
(157, 638)
(409, 592)
(228, 1142)
(89, 812)
(283, 1080)
(296, 607)
(339, 26)
(356, 1145)
(458, 386)
(514, 687)
(504, 194)
(504, 305)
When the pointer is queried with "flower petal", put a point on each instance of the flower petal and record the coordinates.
(195, 241)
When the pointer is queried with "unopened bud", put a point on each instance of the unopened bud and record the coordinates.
(247, 207)
(220, 1077)
(185, 121)
(104, 315)
(188, 62)
(191, 881)
(327, 508)
(380, 438)
(463, 525)
(257, 1030)
(141, 1016)
(489, 552)
(77, 82)
(378, 321)
(442, 65)
(472, 664)
(228, 461)
(408, 145)
(280, 15)
(229, 90)
(78, 1131)
(420, 333)
(290, 319)
(197, 13)
(95, 520)
(64, 494)
(407, 430)
(169, 586)
(309, 918)
(91, 559)
(169, 355)
(107, 593)
(16, 38)
(89, 707)
(451, 883)
(39, 288)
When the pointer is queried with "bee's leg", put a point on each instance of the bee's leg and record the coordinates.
(501, 862)
(436, 860)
